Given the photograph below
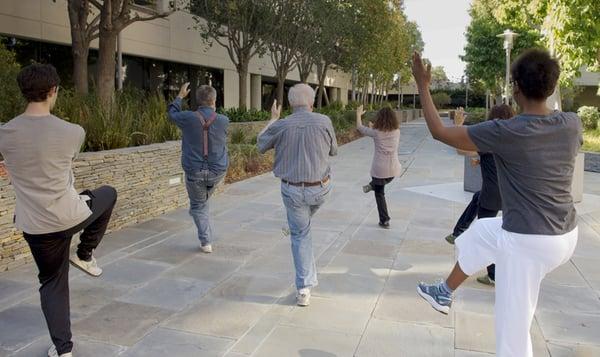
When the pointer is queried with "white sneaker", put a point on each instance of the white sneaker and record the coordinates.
(206, 248)
(52, 353)
(90, 267)
(303, 297)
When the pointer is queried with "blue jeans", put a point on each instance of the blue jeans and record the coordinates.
(200, 186)
(301, 203)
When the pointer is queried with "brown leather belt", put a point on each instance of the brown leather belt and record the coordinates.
(307, 184)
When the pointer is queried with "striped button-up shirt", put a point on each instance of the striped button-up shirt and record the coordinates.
(303, 143)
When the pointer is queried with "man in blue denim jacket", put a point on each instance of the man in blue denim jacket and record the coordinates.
(204, 154)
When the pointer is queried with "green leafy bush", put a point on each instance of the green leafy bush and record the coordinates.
(237, 115)
(441, 99)
(238, 136)
(589, 117)
(475, 115)
(11, 101)
(136, 118)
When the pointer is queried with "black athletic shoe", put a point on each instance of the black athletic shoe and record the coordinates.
(385, 225)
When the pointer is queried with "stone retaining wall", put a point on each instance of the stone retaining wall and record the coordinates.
(149, 180)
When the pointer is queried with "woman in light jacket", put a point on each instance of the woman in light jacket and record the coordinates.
(386, 137)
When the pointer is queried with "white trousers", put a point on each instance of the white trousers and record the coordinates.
(522, 261)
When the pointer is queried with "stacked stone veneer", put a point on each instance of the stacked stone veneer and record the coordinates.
(149, 180)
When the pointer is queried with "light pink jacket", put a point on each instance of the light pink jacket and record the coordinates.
(385, 159)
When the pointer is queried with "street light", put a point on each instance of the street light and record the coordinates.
(509, 39)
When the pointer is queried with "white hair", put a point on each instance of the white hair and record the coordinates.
(301, 95)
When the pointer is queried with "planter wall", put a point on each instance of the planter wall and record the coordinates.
(149, 181)
(592, 161)
(472, 178)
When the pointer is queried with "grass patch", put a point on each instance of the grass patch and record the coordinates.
(591, 140)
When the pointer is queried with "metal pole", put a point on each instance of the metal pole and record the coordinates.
(467, 95)
(119, 63)
(399, 90)
(507, 79)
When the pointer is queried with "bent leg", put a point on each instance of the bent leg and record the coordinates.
(102, 203)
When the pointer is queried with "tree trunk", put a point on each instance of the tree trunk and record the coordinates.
(243, 80)
(353, 84)
(280, 89)
(106, 66)
(80, 43)
(80, 69)
(322, 71)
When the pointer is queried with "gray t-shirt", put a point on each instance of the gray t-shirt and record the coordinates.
(535, 158)
(38, 154)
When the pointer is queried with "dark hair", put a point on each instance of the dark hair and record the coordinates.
(36, 81)
(501, 111)
(536, 73)
(386, 120)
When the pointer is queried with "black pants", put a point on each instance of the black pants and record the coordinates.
(378, 185)
(51, 254)
(474, 210)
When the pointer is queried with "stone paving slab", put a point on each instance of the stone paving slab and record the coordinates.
(160, 296)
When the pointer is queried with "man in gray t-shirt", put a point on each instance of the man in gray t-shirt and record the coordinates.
(535, 156)
(39, 149)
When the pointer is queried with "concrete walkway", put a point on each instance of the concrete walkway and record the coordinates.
(160, 297)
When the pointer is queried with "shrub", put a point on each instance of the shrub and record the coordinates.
(238, 136)
(589, 117)
(237, 115)
(137, 118)
(475, 115)
(441, 99)
(11, 102)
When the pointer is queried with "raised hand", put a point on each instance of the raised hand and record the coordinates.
(275, 110)
(184, 90)
(360, 111)
(421, 72)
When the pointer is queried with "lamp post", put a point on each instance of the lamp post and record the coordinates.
(509, 39)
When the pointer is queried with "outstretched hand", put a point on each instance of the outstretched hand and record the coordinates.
(184, 90)
(360, 111)
(275, 110)
(421, 71)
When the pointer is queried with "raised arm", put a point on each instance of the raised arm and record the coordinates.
(266, 139)
(454, 136)
(359, 125)
(174, 110)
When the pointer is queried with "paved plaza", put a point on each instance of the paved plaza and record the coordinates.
(159, 296)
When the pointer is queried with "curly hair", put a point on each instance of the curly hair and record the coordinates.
(36, 81)
(501, 111)
(536, 73)
(386, 120)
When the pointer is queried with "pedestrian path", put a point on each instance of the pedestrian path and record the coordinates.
(159, 296)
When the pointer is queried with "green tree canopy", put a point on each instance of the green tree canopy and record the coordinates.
(484, 52)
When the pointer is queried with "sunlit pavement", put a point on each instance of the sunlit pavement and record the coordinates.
(159, 296)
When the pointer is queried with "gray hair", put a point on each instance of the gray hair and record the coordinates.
(206, 95)
(301, 95)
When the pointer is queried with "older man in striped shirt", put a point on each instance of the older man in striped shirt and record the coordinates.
(303, 142)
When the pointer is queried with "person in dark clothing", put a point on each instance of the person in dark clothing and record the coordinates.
(487, 202)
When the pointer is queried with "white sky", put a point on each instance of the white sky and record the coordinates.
(443, 24)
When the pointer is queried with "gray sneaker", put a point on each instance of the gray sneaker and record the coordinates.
(367, 188)
(435, 297)
(486, 280)
(450, 238)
